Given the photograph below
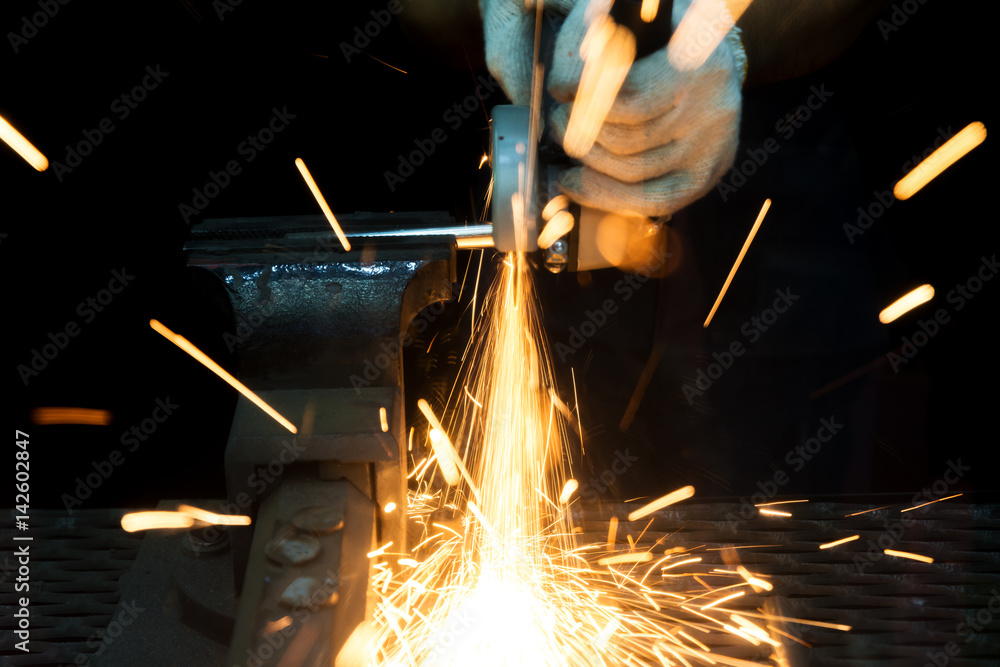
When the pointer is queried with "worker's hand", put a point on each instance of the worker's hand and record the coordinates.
(669, 137)
(509, 32)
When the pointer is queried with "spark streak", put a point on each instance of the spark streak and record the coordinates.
(906, 303)
(321, 200)
(22, 146)
(837, 543)
(201, 357)
(85, 416)
(736, 265)
(680, 494)
(930, 503)
(948, 154)
(907, 554)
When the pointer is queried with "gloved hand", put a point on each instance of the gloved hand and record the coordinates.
(670, 135)
(509, 33)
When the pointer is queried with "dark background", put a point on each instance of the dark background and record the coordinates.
(119, 208)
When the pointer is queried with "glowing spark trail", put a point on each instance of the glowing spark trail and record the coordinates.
(837, 543)
(187, 346)
(907, 554)
(906, 303)
(321, 200)
(680, 494)
(908, 509)
(86, 416)
(739, 259)
(22, 146)
(951, 152)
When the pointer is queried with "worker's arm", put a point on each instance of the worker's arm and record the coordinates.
(788, 38)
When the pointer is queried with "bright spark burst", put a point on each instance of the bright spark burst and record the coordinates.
(498, 577)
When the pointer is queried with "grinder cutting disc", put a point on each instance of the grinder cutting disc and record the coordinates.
(509, 154)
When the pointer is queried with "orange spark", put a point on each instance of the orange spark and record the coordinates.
(213, 518)
(380, 550)
(276, 625)
(681, 562)
(134, 521)
(648, 10)
(906, 303)
(643, 557)
(187, 346)
(775, 513)
(837, 543)
(721, 600)
(756, 583)
(322, 203)
(780, 502)
(22, 146)
(874, 509)
(907, 554)
(612, 533)
(951, 152)
(389, 507)
(568, 490)
(743, 252)
(930, 503)
(86, 416)
(676, 496)
(383, 420)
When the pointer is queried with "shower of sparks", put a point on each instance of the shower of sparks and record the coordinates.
(85, 416)
(675, 497)
(607, 50)
(22, 146)
(906, 303)
(907, 554)
(321, 200)
(930, 503)
(498, 576)
(837, 543)
(705, 24)
(948, 154)
(739, 259)
(187, 346)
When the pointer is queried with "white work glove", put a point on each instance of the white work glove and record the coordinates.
(670, 135)
(509, 33)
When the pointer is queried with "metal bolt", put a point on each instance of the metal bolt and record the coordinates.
(292, 548)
